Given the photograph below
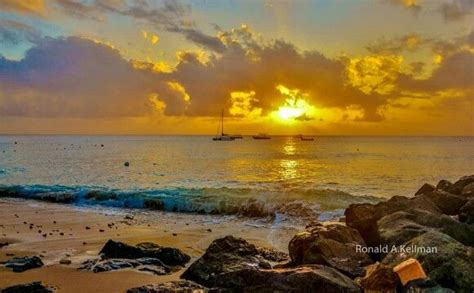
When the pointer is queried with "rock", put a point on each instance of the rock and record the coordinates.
(399, 227)
(21, 264)
(448, 203)
(33, 287)
(466, 212)
(458, 186)
(445, 260)
(168, 255)
(170, 287)
(444, 185)
(311, 278)
(380, 278)
(224, 255)
(126, 164)
(152, 265)
(425, 189)
(364, 217)
(65, 261)
(272, 254)
(424, 286)
(468, 190)
(333, 245)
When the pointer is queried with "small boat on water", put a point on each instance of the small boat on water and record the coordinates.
(303, 138)
(222, 136)
(261, 136)
(306, 138)
(236, 136)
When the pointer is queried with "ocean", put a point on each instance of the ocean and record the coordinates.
(263, 178)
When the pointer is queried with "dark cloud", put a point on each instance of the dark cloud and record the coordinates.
(200, 38)
(74, 77)
(456, 9)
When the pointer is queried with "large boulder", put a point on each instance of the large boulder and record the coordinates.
(458, 186)
(334, 245)
(168, 255)
(445, 260)
(170, 287)
(311, 278)
(468, 190)
(444, 185)
(399, 227)
(379, 278)
(33, 287)
(466, 212)
(424, 286)
(223, 256)
(425, 189)
(448, 203)
(21, 264)
(364, 217)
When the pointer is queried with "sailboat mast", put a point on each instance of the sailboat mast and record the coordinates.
(222, 121)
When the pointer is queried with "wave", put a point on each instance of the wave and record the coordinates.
(247, 202)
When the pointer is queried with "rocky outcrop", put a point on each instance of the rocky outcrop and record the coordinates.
(379, 278)
(21, 264)
(333, 245)
(424, 286)
(311, 278)
(425, 189)
(144, 257)
(170, 287)
(33, 287)
(447, 261)
(168, 255)
(466, 212)
(448, 203)
(225, 255)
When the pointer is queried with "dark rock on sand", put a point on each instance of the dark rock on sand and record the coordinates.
(424, 286)
(333, 245)
(311, 278)
(170, 287)
(168, 255)
(451, 265)
(379, 278)
(151, 265)
(33, 287)
(272, 254)
(466, 212)
(225, 255)
(468, 190)
(425, 189)
(458, 186)
(21, 264)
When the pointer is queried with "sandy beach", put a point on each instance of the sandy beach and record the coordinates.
(190, 233)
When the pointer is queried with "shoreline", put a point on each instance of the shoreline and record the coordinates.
(188, 232)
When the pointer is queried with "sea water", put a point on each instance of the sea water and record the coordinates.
(283, 175)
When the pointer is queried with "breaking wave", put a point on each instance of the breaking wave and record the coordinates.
(246, 202)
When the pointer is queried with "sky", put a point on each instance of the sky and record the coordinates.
(283, 67)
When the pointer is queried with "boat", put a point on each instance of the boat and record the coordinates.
(222, 136)
(306, 138)
(261, 136)
(236, 136)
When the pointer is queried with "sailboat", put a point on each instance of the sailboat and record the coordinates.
(222, 136)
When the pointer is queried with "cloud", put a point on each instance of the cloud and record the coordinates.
(35, 7)
(13, 32)
(454, 10)
(75, 77)
(199, 38)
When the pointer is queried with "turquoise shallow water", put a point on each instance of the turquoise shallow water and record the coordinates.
(196, 174)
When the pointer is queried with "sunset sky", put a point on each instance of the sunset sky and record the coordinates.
(340, 67)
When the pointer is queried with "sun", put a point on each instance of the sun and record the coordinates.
(288, 113)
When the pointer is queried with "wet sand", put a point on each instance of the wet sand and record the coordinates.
(188, 232)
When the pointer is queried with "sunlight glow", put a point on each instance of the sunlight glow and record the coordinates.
(295, 107)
